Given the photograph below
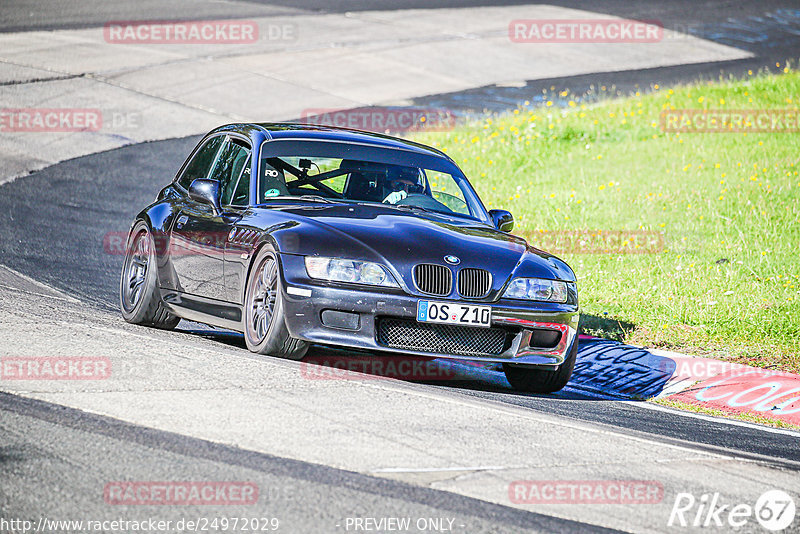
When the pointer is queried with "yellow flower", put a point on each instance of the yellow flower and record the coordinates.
(549, 103)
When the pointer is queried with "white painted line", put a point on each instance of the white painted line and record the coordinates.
(50, 292)
(437, 469)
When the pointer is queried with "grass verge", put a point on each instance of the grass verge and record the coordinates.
(725, 207)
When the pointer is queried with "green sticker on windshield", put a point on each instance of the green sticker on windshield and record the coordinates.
(272, 193)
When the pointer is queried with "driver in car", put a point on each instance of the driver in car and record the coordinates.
(402, 182)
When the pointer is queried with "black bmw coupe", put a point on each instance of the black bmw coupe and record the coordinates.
(296, 234)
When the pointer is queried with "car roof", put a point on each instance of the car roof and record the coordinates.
(288, 130)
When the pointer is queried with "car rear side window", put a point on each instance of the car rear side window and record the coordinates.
(201, 162)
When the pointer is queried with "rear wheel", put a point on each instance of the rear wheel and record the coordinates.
(531, 380)
(265, 329)
(140, 301)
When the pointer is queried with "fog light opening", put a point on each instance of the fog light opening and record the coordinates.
(542, 338)
(341, 320)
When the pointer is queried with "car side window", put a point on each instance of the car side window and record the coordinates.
(241, 193)
(201, 162)
(233, 172)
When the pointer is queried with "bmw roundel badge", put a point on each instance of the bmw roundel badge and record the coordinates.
(452, 260)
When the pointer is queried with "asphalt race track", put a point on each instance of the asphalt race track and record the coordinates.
(57, 225)
(305, 495)
(93, 199)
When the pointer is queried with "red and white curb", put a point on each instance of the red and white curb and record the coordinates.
(623, 370)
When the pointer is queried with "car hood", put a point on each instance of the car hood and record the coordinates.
(402, 238)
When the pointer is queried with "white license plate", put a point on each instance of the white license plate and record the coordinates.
(453, 313)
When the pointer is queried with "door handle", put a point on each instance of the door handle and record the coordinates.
(181, 221)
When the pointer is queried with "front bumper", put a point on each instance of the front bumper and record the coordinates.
(305, 300)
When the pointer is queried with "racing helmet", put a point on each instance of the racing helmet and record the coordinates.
(408, 179)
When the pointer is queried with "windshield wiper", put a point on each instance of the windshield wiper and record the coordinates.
(312, 198)
(412, 207)
(316, 198)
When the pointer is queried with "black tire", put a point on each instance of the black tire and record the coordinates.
(139, 297)
(533, 380)
(265, 329)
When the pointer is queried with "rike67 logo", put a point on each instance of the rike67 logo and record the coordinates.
(774, 510)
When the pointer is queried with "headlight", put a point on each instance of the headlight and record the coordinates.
(537, 289)
(351, 271)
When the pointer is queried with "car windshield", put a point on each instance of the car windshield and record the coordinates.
(363, 178)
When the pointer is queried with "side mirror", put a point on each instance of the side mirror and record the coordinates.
(205, 192)
(502, 219)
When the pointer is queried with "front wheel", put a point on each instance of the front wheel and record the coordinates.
(265, 329)
(531, 380)
(140, 301)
